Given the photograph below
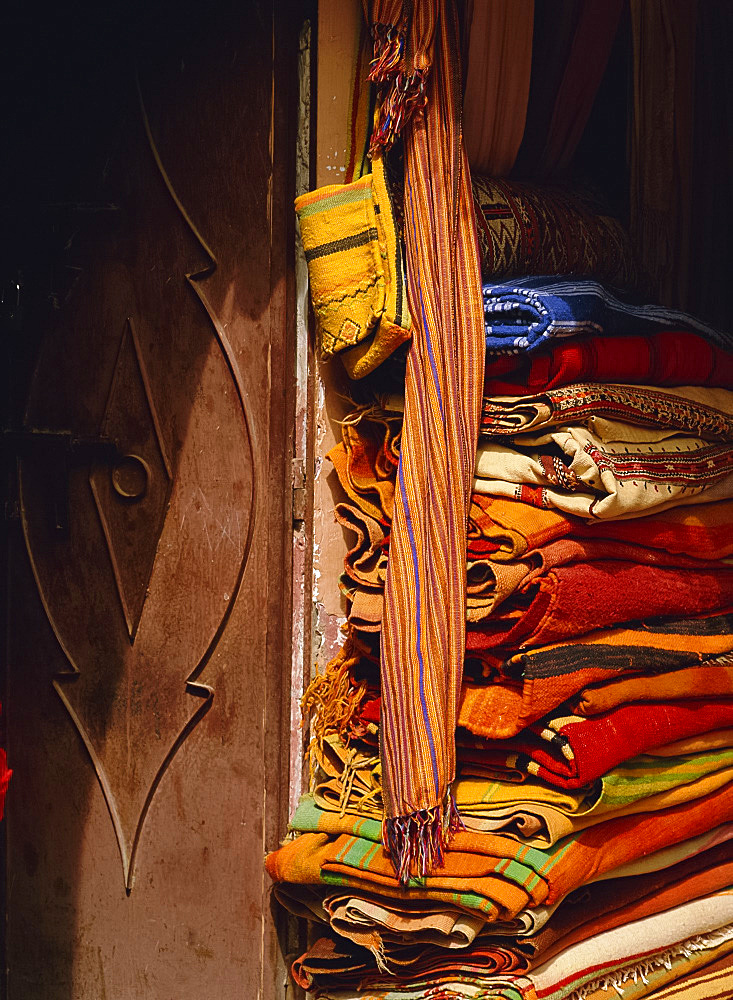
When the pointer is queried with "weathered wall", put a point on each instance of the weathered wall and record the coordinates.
(338, 35)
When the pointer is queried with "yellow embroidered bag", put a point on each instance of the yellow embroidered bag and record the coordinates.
(356, 273)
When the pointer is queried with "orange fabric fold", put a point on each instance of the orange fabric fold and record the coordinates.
(713, 681)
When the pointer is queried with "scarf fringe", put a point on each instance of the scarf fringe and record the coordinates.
(401, 93)
(417, 842)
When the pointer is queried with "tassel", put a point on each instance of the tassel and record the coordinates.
(333, 696)
(389, 44)
(405, 95)
(401, 93)
(418, 841)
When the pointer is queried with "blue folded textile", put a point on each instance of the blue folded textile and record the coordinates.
(525, 313)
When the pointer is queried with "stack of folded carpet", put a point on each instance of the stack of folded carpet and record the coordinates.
(595, 740)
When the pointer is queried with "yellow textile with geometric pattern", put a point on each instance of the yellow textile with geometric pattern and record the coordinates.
(355, 270)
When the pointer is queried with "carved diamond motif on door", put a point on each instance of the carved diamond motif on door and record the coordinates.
(132, 495)
(140, 588)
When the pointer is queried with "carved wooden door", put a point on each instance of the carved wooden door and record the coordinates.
(149, 635)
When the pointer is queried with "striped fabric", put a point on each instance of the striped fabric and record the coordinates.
(534, 812)
(531, 811)
(423, 634)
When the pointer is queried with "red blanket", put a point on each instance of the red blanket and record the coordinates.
(570, 752)
(580, 597)
(670, 357)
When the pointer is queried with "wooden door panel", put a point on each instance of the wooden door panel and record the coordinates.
(150, 593)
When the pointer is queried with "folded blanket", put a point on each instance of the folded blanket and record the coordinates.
(667, 856)
(695, 926)
(331, 960)
(653, 646)
(698, 979)
(527, 685)
(514, 528)
(495, 875)
(668, 357)
(700, 412)
(714, 680)
(601, 906)
(491, 578)
(693, 974)
(346, 778)
(622, 473)
(466, 881)
(378, 921)
(385, 926)
(533, 811)
(366, 459)
(525, 314)
(527, 229)
(701, 530)
(589, 911)
(490, 583)
(571, 600)
(570, 752)
(375, 919)
(644, 784)
(366, 561)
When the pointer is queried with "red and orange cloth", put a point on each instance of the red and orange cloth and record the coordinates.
(570, 600)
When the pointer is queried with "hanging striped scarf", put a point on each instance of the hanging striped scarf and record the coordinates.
(423, 634)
